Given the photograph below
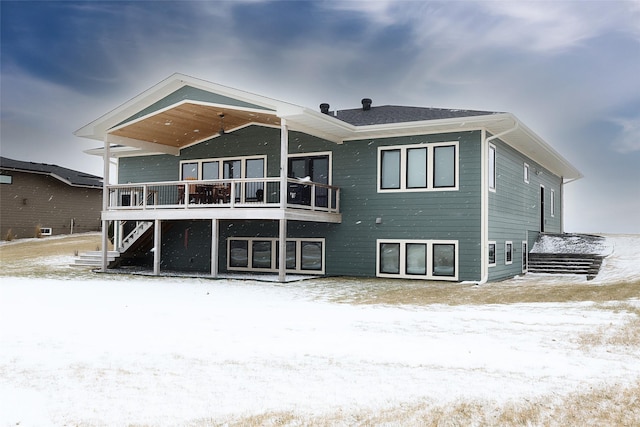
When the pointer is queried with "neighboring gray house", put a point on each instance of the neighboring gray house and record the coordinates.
(217, 180)
(41, 199)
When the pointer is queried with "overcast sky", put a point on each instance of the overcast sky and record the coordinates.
(568, 69)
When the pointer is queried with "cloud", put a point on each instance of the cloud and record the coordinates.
(628, 138)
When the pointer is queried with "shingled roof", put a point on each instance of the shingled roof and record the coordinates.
(68, 176)
(386, 114)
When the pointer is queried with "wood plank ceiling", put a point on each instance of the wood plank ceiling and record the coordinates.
(189, 123)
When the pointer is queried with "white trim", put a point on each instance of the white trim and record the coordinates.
(526, 171)
(429, 261)
(274, 244)
(493, 148)
(507, 252)
(525, 256)
(552, 202)
(430, 146)
(495, 253)
(484, 209)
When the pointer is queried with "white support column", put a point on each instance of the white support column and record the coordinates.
(282, 254)
(284, 154)
(157, 242)
(105, 204)
(214, 248)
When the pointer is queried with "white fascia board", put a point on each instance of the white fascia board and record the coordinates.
(540, 151)
(423, 127)
(144, 145)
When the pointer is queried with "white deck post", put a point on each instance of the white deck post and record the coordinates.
(105, 204)
(282, 255)
(284, 154)
(282, 243)
(156, 247)
(214, 248)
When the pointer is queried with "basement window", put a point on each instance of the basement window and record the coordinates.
(508, 253)
(492, 254)
(417, 259)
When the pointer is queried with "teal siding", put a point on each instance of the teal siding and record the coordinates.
(514, 208)
(434, 215)
(351, 245)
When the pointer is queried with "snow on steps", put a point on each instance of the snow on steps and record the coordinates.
(568, 254)
(94, 258)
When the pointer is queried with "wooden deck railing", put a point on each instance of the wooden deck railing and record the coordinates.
(226, 193)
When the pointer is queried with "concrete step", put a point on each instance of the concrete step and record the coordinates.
(94, 258)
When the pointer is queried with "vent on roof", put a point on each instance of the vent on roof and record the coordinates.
(366, 104)
(324, 108)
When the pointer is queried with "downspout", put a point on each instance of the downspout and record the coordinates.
(484, 209)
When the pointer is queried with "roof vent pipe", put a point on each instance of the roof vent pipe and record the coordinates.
(324, 108)
(366, 104)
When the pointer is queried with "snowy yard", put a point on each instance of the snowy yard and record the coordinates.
(119, 350)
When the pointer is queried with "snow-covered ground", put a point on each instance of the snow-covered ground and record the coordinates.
(119, 350)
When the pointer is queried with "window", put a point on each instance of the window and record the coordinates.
(419, 167)
(492, 254)
(6, 179)
(417, 259)
(390, 258)
(525, 256)
(526, 173)
(444, 166)
(235, 168)
(552, 206)
(262, 254)
(444, 260)
(390, 165)
(492, 167)
(508, 253)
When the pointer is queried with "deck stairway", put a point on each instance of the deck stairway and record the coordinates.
(137, 236)
(568, 254)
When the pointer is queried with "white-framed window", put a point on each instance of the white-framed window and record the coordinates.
(224, 168)
(418, 167)
(492, 167)
(417, 259)
(492, 254)
(261, 254)
(46, 231)
(552, 202)
(6, 179)
(525, 173)
(525, 256)
(508, 253)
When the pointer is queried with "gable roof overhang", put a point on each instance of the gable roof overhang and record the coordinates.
(188, 121)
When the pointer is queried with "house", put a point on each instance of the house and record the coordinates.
(217, 180)
(38, 199)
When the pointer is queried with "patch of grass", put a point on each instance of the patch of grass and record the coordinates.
(410, 292)
(608, 406)
(625, 335)
(29, 257)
